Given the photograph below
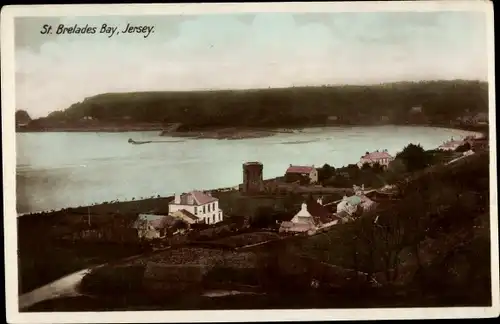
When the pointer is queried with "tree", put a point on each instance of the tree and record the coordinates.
(325, 172)
(463, 148)
(366, 167)
(263, 217)
(377, 168)
(414, 157)
(22, 117)
(179, 225)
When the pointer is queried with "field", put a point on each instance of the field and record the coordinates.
(241, 240)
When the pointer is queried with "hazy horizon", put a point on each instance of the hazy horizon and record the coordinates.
(244, 52)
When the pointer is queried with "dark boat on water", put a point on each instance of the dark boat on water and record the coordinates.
(131, 141)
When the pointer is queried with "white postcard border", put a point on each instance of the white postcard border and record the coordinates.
(9, 165)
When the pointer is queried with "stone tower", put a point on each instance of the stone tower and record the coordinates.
(253, 181)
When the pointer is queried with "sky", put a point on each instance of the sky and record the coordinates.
(241, 51)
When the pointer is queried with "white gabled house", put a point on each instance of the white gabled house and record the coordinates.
(198, 204)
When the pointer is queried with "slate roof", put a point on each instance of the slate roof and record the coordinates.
(353, 200)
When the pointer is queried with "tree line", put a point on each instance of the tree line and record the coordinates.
(440, 102)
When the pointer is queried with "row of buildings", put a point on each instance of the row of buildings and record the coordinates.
(197, 207)
(253, 181)
(315, 216)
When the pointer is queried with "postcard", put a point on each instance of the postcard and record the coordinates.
(249, 162)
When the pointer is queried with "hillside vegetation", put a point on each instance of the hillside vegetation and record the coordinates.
(441, 101)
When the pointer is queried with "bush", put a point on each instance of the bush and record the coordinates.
(463, 148)
(414, 157)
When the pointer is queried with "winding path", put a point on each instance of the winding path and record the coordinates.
(63, 287)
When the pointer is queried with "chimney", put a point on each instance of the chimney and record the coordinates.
(290, 165)
(363, 187)
(177, 199)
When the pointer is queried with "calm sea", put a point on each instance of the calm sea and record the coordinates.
(58, 170)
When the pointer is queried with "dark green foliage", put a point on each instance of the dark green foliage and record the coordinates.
(179, 225)
(366, 167)
(22, 117)
(463, 148)
(325, 173)
(300, 106)
(414, 157)
(263, 217)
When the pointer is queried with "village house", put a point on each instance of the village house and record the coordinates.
(383, 158)
(151, 226)
(451, 145)
(481, 118)
(198, 204)
(349, 205)
(359, 202)
(301, 174)
(312, 215)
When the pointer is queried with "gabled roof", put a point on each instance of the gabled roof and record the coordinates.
(299, 169)
(198, 198)
(377, 155)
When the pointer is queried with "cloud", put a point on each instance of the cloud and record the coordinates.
(243, 51)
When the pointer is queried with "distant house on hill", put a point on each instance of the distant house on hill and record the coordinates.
(381, 157)
(150, 226)
(196, 204)
(301, 174)
(451, 145)
(311, 216)
(481, 118)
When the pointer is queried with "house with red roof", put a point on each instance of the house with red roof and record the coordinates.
(381, 157)
(301, 174)
(196, 205)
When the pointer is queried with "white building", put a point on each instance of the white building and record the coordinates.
(311, 216)
(451, 145)
(201, 205)
(349, 205)
(383, 158)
